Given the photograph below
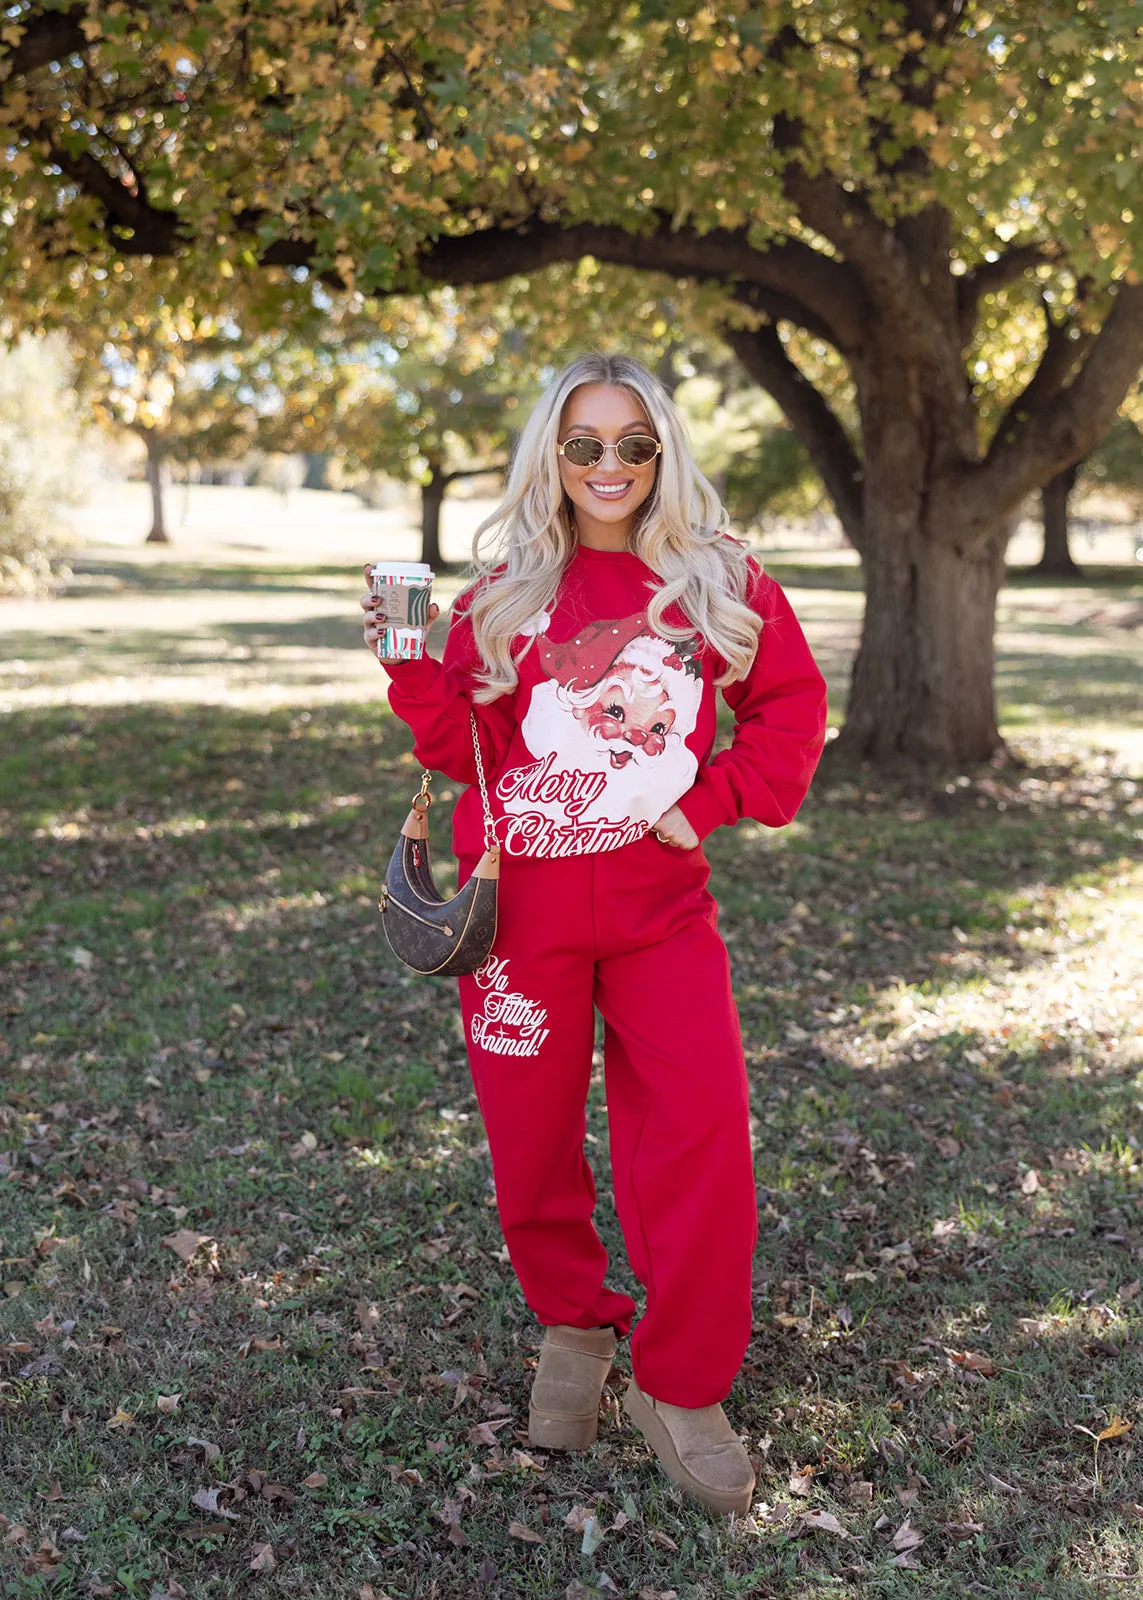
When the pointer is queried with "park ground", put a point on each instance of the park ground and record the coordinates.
(258, 1333)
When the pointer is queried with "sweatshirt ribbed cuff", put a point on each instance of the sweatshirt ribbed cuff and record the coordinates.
(703, 808)
(413, 677)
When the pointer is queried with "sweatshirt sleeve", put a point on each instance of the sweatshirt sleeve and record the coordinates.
(779, 732)
(434, 698)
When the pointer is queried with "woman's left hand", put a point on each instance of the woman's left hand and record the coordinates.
(673, 828)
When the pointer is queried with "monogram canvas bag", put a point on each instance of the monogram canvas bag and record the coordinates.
(432, 935)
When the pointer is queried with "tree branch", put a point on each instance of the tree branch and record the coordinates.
(135, 226)
(472, 472)
(1061, 430)
(1065, 345)
(989, 276)
(46, 37)
(818, 288)
(764, 356)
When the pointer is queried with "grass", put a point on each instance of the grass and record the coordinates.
(241, 1165)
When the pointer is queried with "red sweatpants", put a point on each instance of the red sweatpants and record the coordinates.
(634, 932)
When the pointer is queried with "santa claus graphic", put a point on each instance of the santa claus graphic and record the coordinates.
(608, 729)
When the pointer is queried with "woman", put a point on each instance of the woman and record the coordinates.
(591, 645)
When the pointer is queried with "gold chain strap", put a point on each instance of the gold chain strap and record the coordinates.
(491, 842)
(424, 799)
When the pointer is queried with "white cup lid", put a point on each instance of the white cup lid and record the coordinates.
(403, 569)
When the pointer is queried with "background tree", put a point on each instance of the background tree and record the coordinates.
(1116, 465)
(426, 400)
(199, 383)
(47, 459)
(871, 175)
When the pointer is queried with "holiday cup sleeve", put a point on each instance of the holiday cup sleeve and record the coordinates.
(779, 726)
(434, 698)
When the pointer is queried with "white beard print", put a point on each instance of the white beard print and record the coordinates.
(575, 780)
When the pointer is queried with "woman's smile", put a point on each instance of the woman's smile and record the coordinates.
(611, 491)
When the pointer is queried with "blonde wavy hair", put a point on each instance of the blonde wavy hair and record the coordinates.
(680, 532)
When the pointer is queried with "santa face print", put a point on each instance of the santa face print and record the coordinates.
(631, 716)
(608, 729)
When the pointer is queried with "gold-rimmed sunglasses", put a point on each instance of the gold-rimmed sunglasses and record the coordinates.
(634, 450)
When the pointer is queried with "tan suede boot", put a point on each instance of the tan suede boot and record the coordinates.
(697, 1448)
(563, 1409)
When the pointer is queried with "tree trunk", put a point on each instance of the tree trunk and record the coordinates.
(432, 497)
(1056, 561)
(155, 464)
(922, 681)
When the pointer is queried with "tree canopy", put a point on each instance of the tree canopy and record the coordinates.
(867, 176)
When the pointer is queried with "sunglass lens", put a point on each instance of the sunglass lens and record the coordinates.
(583, 452)
(637, 449)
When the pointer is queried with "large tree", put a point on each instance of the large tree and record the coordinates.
(869, 174)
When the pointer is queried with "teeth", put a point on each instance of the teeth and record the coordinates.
(610, 488)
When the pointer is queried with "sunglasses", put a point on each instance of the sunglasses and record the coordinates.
(634, 450)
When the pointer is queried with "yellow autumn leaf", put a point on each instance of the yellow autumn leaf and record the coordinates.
(561, 5)
(1115, 1429)
(121, 1419)
(173, 53)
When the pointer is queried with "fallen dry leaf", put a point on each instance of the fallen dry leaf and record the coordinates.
(802, 1482)
(450, 1514)
(972, 1361)
(184, 1243)
(1115, 1429)
(209, 1449)
(1030, 1182)
(577, 1517)
(167, 1403)
(824, 1522)
(963, 1530)
(907, 1537)
(316, 1480)
(663, 1540)
(251, 1345)
(121, 1419)
(263, 1559)
(207, 1500)
(793, 1324)
(484, 1432)
(54, 1493)
(520, 1530)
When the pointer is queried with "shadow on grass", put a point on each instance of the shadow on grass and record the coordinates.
(171, 576)
(1090, 575)
(1102, 687)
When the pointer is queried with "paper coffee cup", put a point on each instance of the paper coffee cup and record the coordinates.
(404, 589)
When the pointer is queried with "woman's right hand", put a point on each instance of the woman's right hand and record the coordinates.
(375, 624)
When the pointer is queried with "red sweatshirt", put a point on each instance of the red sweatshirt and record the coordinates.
(610, 725)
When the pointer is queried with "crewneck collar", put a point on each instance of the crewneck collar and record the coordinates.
(589, 553)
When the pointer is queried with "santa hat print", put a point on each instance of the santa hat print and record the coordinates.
(581, 662)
